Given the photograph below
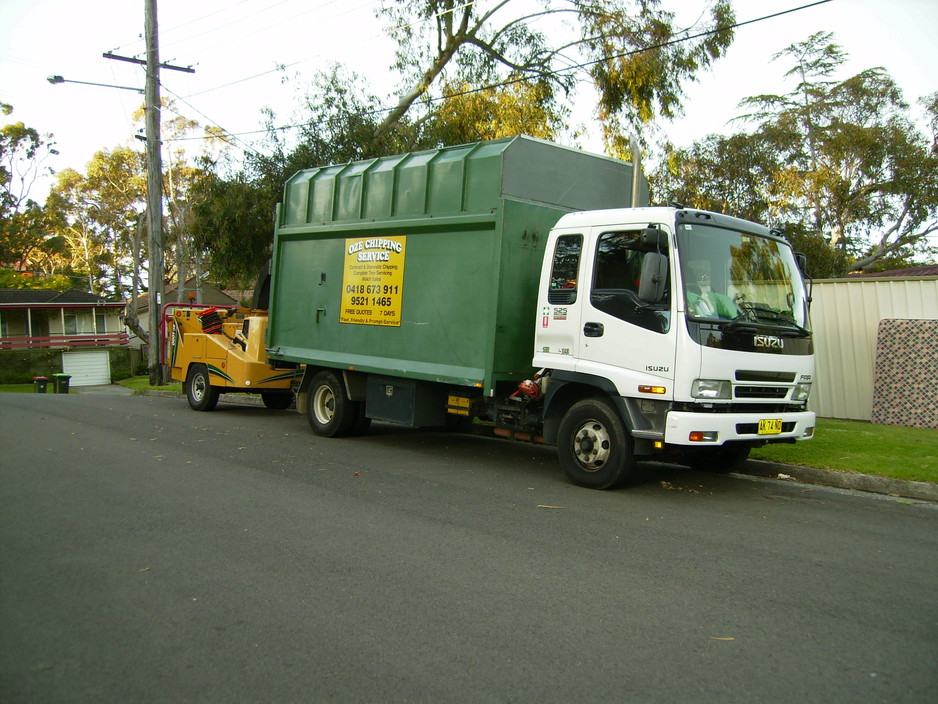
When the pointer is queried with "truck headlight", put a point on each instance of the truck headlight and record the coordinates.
(801, 392)
(711, 389)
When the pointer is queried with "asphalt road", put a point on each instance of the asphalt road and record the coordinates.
(149, 553)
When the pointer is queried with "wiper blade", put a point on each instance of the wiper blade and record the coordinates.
(738, 324)
(757, 312)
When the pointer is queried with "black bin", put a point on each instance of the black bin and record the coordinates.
(39, 384)
(61, 383)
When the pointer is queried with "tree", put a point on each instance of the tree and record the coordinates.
(23, 222)
(839, 161)
(631, 49)
(467, 115)
(97, 213)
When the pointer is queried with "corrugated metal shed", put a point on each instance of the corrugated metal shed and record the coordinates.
(845, 315)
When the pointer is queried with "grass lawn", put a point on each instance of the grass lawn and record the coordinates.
(885, 450)
(141, 383)
(16, 388)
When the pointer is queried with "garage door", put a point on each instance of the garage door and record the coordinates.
(87, 368)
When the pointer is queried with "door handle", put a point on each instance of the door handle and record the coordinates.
(593, 329)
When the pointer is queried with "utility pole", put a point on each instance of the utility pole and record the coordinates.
(154, 179)
(154, 191)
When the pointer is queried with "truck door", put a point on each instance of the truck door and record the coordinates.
(626, 332)
(557, 339)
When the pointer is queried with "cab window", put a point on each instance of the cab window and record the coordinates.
(631, 280)
(563, 275)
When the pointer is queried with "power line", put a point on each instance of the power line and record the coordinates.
(558, 74)
(234, 137)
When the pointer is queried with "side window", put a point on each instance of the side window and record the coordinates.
(631, 280)
(563, 275)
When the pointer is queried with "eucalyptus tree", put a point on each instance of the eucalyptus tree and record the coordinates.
(839, 161)
(24, 227)
(97, 213)
(863, 175)
(631, 51)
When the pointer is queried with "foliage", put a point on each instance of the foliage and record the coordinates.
(628, 47)
(467, 115)
(27, 280)
(838, 161)
(23, 222)
(98, 214)
(232, 220)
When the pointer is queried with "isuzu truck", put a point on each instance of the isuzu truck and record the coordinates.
(501, 287)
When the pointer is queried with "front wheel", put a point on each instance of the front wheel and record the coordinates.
(594, 447)
(329, 411)
(202, 396)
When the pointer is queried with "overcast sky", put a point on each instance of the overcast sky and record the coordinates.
(235, 47)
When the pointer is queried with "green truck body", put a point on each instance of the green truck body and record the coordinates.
(426, 265)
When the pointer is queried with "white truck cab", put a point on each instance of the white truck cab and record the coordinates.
(695, 325)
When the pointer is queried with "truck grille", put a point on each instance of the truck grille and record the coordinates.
(752, 375)
(761, 392)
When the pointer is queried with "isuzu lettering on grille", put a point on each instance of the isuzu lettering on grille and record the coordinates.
(768, 342)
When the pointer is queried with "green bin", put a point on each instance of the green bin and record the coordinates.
(39, 384)
(61, 383)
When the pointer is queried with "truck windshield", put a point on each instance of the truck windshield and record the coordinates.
(741, 277)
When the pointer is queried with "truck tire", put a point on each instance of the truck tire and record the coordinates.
(720, 460)
(594, 447)
(277, 400)
(201, 394)
(329, 411)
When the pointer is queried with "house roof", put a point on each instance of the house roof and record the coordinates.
(26, 297)
(928, 270)
(210, 295)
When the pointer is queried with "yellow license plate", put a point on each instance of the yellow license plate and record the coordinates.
(770, 426)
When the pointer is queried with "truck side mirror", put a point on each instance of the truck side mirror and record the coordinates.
(654, 277)
(802, 261)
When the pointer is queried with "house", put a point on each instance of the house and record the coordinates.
(78, 326)
(209, 295)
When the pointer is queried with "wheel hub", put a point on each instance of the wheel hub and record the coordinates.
(592, 446)
(324, 404)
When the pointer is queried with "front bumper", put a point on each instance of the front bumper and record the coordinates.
(734, 427)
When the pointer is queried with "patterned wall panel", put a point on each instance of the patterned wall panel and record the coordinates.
(905, 385)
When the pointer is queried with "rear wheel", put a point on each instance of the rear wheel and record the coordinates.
(720, 460)
(277, 400)
(594, 447)
(329, 411)
(201, 394)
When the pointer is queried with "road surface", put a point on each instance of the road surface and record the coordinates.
(149, 553)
